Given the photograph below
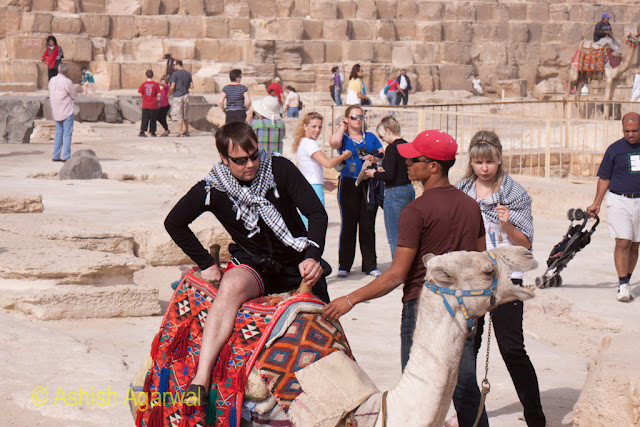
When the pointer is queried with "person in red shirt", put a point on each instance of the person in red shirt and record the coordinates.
(275, 86)
(149, 91)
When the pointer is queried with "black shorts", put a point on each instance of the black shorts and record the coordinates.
(287, 279)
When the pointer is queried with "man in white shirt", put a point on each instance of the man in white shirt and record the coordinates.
(635, 90)
(404, 87)
(62, 93)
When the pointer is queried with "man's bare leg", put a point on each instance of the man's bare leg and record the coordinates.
(237, 286)
(186, 126)
(633, 257)
(621, 257)
(179, 127)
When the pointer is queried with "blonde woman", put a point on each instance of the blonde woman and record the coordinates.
(310, 158)
(506, 212)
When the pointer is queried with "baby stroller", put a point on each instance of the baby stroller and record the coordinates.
(576, 238)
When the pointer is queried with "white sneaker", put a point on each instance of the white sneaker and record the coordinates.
(374, 273)
(624, 293)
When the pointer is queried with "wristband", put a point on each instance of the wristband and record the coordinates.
(349, 301)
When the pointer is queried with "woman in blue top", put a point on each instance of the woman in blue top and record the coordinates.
(351, 198)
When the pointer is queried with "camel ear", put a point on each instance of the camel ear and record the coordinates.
(443, 276)
(426, 258)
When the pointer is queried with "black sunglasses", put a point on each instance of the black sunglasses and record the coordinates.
(241, 161)
(360, 117)
(419, 160)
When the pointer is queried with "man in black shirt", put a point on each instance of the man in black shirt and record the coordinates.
(255, 196)
(603, 35)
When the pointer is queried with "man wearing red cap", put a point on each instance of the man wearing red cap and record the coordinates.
(443, 219)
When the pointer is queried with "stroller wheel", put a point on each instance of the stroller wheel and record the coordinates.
(555, 281)
(578, 214)
(540, 283)
(570, 214)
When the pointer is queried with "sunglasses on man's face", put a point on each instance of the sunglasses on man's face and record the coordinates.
(241, 161)
(419, 160)
(360, 117)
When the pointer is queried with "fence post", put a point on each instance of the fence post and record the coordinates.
(567, 118)
(421, 120)
(547, 152)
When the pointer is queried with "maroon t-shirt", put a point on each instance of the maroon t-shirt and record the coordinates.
(442, 220)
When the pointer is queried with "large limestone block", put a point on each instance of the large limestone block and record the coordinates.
(387, 9)
(19, 71)
(548, 87)
(262, 8)
(263, 51)
(347, 9)
(66, 24)
(213, 7)
(198, 116)
(96, 25)
(425, 53)
(485, 11)
(185, 27)
(358, 51)
(405, 29)
(459, 11)
(216, 117)
(451, 76)
(83, 51)
(47, 5)
(287, 54)
(69, 266)
(51, 302)
(518, 11)
(402, 55)
(455, 53)
(611, 392)
(537, 12)
(106, 75)
(93, 6)
(206, 49)
(191, 7)
(430, 10)
(18, 87)
(367, 9)
(333, 51)
(285, 8)
(169, 7)
(17, 114)
(150, 7)
(36, 23)
(180, 49)
(83, 164)
(150, 49)
(312, 29)
(216, 27)
(428, 31)
(20, 203)
(518, 32)
(240, 28)
(91, 109)
(132, 74)
(111, 112)
(21, 47)
(489, 31)
(152, 26)
(386, 31)
(123, 7)
(10, 18)
(69, 6)
(489, 53)
(513, 87)
(406, 10)
(363, 30)
(237, 8)
(382, 52)
(276, 29)
(130, 109)
(233, 50)
(457, 31)
(123, 27)
(323, 9)
(335, 29)
(312, 52)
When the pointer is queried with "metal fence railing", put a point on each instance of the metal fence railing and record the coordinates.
(539, 138)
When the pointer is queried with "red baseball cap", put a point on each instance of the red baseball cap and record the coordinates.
(434, 144)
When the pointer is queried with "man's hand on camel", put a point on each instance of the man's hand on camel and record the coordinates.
(310, 270)
(211, 274)
(336, 308)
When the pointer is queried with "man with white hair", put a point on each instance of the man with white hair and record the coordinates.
(267, 124)
(277, 88)
(62, 93)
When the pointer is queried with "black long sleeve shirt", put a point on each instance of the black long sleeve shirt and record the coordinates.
(295, 192)
(600, 29)
(395, 169)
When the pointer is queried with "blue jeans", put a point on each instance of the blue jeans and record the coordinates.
(64, 129)
(336, 95)
(292, 112)
(391, 97)
(466, 397)
(395, 199)
(319, 189)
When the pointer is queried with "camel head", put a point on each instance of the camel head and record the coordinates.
(475, 271)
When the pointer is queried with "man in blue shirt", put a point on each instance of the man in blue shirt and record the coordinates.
(351, 197)
(619, 173)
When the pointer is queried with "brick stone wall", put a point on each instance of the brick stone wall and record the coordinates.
(440, 43)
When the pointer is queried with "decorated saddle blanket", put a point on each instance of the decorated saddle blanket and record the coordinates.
(591, 59)
(275, 333)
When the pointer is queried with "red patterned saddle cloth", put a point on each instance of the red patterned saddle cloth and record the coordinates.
(175, 351)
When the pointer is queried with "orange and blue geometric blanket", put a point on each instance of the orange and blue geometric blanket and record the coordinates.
(175, 352)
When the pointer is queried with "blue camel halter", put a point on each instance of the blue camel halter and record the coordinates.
(459, 294)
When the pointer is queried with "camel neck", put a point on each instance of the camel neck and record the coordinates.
(423, 394)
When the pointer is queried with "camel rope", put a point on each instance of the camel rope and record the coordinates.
(486, 387)
(384, 408)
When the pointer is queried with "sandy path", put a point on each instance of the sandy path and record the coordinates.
(563, 326)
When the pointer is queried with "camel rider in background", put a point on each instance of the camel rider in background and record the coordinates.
(603, 36)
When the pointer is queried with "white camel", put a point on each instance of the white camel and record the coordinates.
(422, 396)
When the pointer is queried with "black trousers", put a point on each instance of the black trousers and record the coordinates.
(507, 324)
(236, 116)
(162, 116)
(149, 116)
(404, 98)
(52, 72)
(354, 213)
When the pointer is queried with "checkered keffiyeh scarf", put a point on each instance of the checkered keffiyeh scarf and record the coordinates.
(250, 204)
(512, 196)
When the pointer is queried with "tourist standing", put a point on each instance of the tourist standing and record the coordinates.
(356, 91)
(506, 213)
(404, 87)
(277, 89)
(267, 124)
(635, 90)
(356, 218)
(52, 56)
(398, 190)
(390, 92)
(443, 219)
(292, 103)
(163, 104)
(234, 99)
(62, 93)
(87, 81)
(619, 173)
(149, 91)
(180, 83)
(336, 85)
(477, 85)
(310, 158)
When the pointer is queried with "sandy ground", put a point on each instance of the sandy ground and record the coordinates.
(563, 326)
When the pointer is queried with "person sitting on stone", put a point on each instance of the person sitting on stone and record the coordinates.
(256, 196)
(267, 124)
(603, 36)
